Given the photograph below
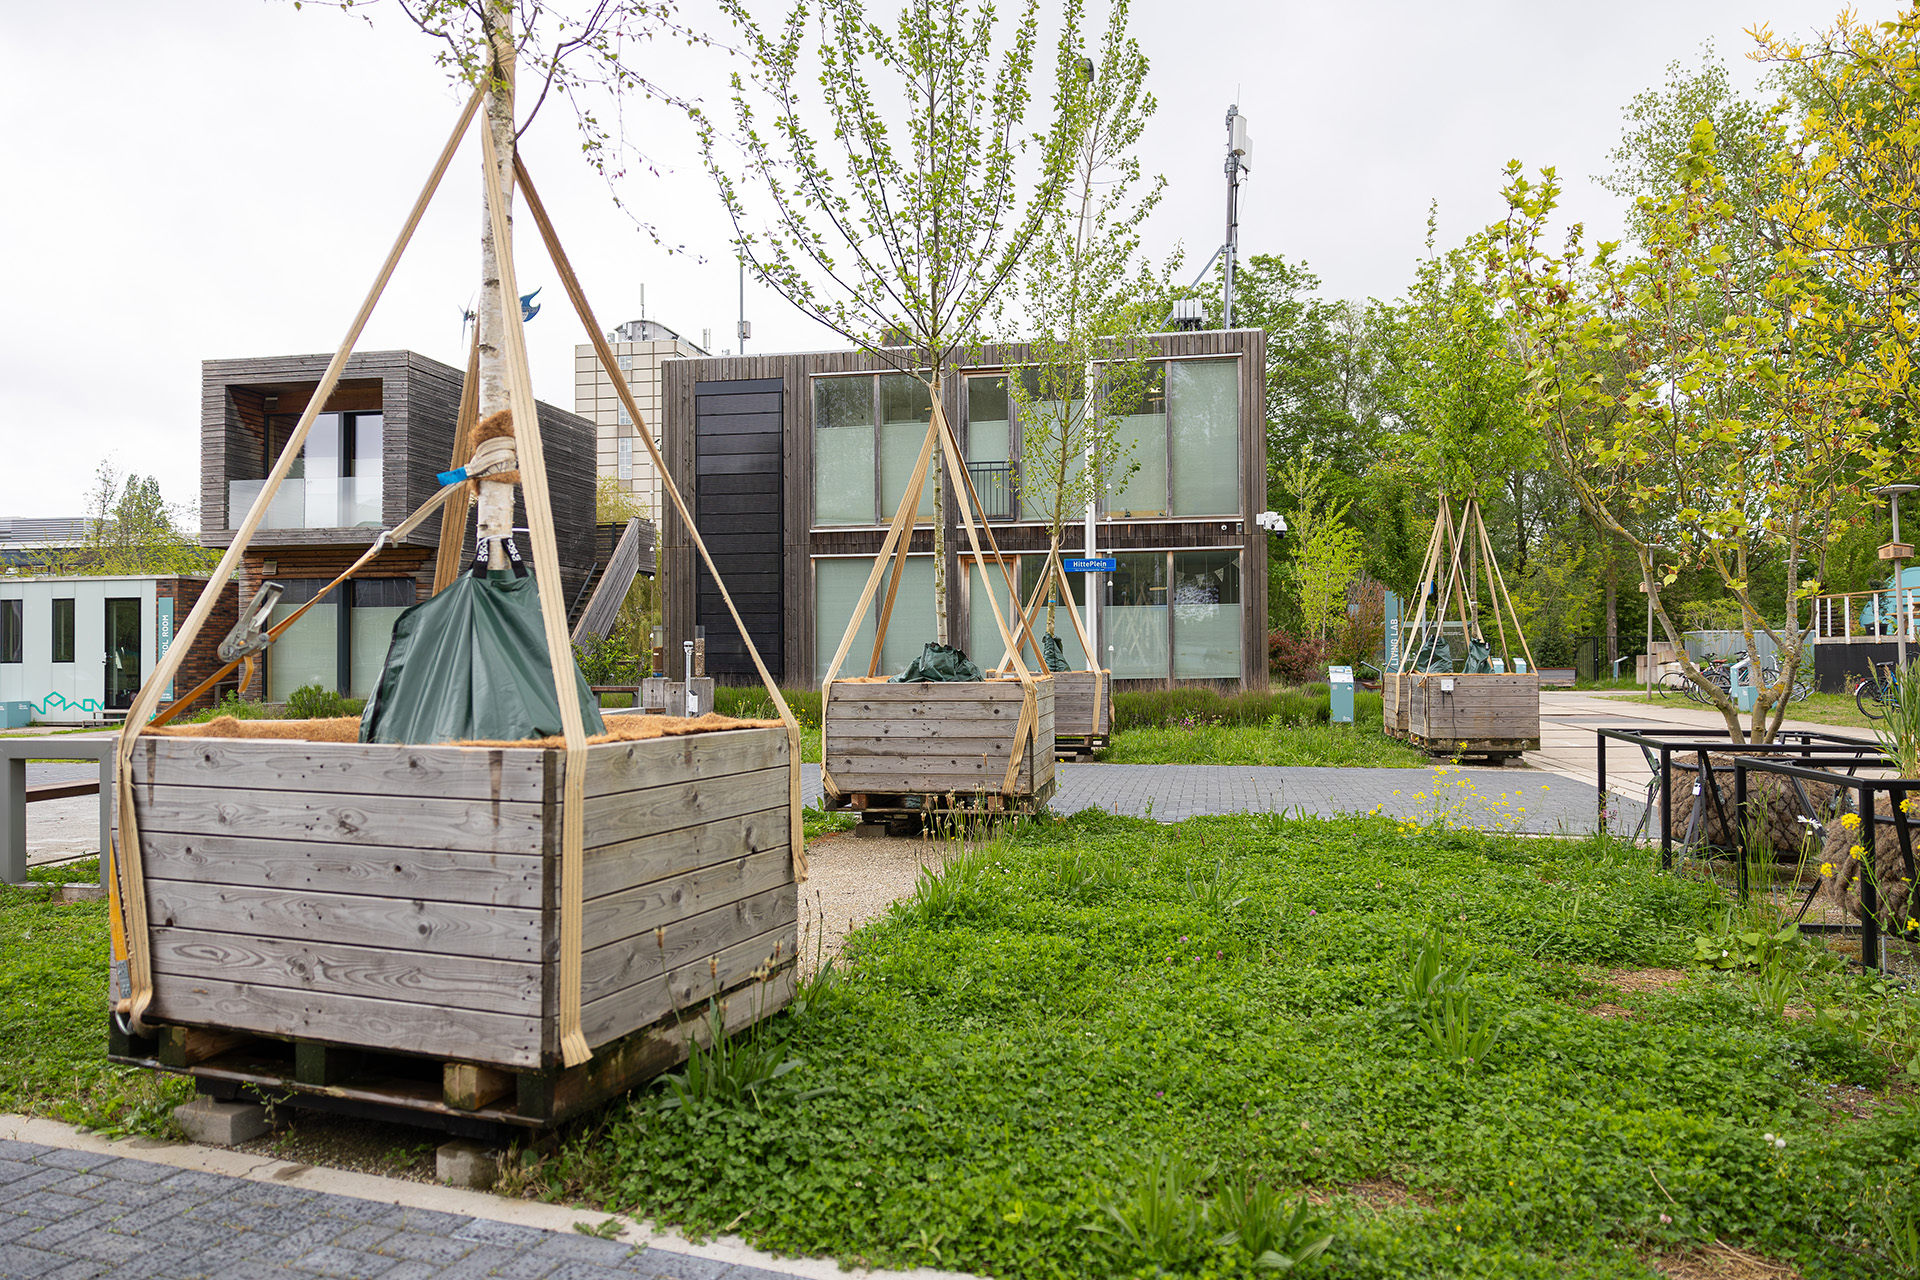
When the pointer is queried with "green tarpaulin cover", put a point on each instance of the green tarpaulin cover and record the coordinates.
(1435, 655)
(1054, 652)
(938, 662)
(470, 664)
(1479, 658)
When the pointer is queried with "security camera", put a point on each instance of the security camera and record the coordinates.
(1271, 521)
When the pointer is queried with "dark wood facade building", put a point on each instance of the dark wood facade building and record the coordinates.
(794, 464)
(369, 462)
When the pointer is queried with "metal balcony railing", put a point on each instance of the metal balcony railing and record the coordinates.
(993, 481)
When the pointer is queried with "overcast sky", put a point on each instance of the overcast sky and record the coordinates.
(214, 178)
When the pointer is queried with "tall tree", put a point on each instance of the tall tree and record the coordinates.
(895, 208)
(1085, 291)
(132, 529)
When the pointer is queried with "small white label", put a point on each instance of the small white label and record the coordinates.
(1696, 788)
(693, 703)
(1446, 686)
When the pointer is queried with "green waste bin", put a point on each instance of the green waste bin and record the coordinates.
(1340, 691)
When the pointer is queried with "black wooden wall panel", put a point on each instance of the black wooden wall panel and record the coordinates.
(738, 507)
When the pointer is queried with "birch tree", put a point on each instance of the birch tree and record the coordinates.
(896, 204)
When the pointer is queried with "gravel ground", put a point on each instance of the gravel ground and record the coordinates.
(852, 879)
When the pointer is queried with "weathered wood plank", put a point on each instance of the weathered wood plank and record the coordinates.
(444, 875)
(185, 1046)
(935, 712)
(623, 815)
(388, 1025)
(456, 982)
(650, 906)
(464, 929)
(629, 766)
(468, 1087)
(892, 778)
(614, 867)
(403, 820)
(627, 961)
(688, 987)
(351, 768)
(316, 1063)
(983, 691)
(920, 749)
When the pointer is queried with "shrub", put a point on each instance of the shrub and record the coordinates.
(311, 702)
(1189, 707)
(1295, 660)
(607, 660)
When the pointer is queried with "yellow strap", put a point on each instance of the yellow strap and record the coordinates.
(553, 614)
(796, 833)
(133, 880)
(453, 520)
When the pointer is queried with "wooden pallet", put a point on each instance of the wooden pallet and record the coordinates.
(368, 898)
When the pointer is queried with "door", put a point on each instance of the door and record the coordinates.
(123, 653)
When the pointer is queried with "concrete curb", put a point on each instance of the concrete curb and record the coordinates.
(420, 1195)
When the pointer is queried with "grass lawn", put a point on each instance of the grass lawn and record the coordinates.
(1821, 708)
(1095, 1047)
(1356, 745)
(53, 1015)
(1074, 1052)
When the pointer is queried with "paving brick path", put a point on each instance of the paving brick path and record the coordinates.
(1526, 800)
(74, 1215)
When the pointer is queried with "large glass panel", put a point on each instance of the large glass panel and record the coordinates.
(1205, 400)
(837, 584)
(843, 451)
(123, 653)
(1206, 615)
(63, 631)
(308, 651)
(288, 510)
(1136, 617)
(361, 503)
(989, 446)
(377, 605)
(1062, 625)
(985, 645)
(905, 410)
(324, 469)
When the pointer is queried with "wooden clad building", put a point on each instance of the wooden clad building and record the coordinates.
(793, 465)
(369, 462)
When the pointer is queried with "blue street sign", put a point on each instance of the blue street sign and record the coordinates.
(1099, 564)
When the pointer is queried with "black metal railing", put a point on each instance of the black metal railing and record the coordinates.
(993, 481)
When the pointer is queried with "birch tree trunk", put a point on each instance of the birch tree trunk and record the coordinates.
(495, 516)
(940, 627)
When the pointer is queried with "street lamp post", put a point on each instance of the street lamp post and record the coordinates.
(1898, 552)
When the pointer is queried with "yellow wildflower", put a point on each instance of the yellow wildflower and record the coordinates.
(1858, 853)
(1850, 821)
(1826, 868)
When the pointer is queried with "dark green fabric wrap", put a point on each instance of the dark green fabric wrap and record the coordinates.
(1054, 652)
(1479, 658)
(938, 663)
(1435, 655)
(470, 664)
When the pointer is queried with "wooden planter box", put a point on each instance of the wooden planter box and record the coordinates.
(888, 743)
(1393, 704)
(1495, 714)
(312, 904)
(1082, 711)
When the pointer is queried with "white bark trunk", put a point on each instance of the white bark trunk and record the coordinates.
(495, 515)
(939, 529)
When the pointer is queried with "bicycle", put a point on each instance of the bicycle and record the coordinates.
(1872, 693)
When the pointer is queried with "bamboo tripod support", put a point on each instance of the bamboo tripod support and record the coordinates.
(1056, 572)
(1468, 553)
(893, 554)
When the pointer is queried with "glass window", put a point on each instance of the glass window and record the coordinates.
(1206, 615)
(360, 500)
(377, 605)
(626, 457)
(985, 645)
(838, 583)
(1062, 625)
(843, 452)
(1136, 617)
(987, 435)
(905, 409)
(1140, 432)
(123, 652)
(63, 631)
(1205, 437)
(308, 651)
(13, 631)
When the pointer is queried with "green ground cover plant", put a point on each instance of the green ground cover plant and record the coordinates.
(53, 1011)
(1071, 1050)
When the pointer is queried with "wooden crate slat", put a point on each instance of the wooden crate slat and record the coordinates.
(616, 867)
(930, 746)
(421, 821)
(465, 929)
(639, 911)
(420, 977)
(931, 691)
(628, 766)
(442, 875)
(933, 712)
(657, 808)
(609, 969)
(689, 987)
(490, 1038)
(353, 768)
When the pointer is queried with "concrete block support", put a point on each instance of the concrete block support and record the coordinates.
(463, 1163)
(222, 1124)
